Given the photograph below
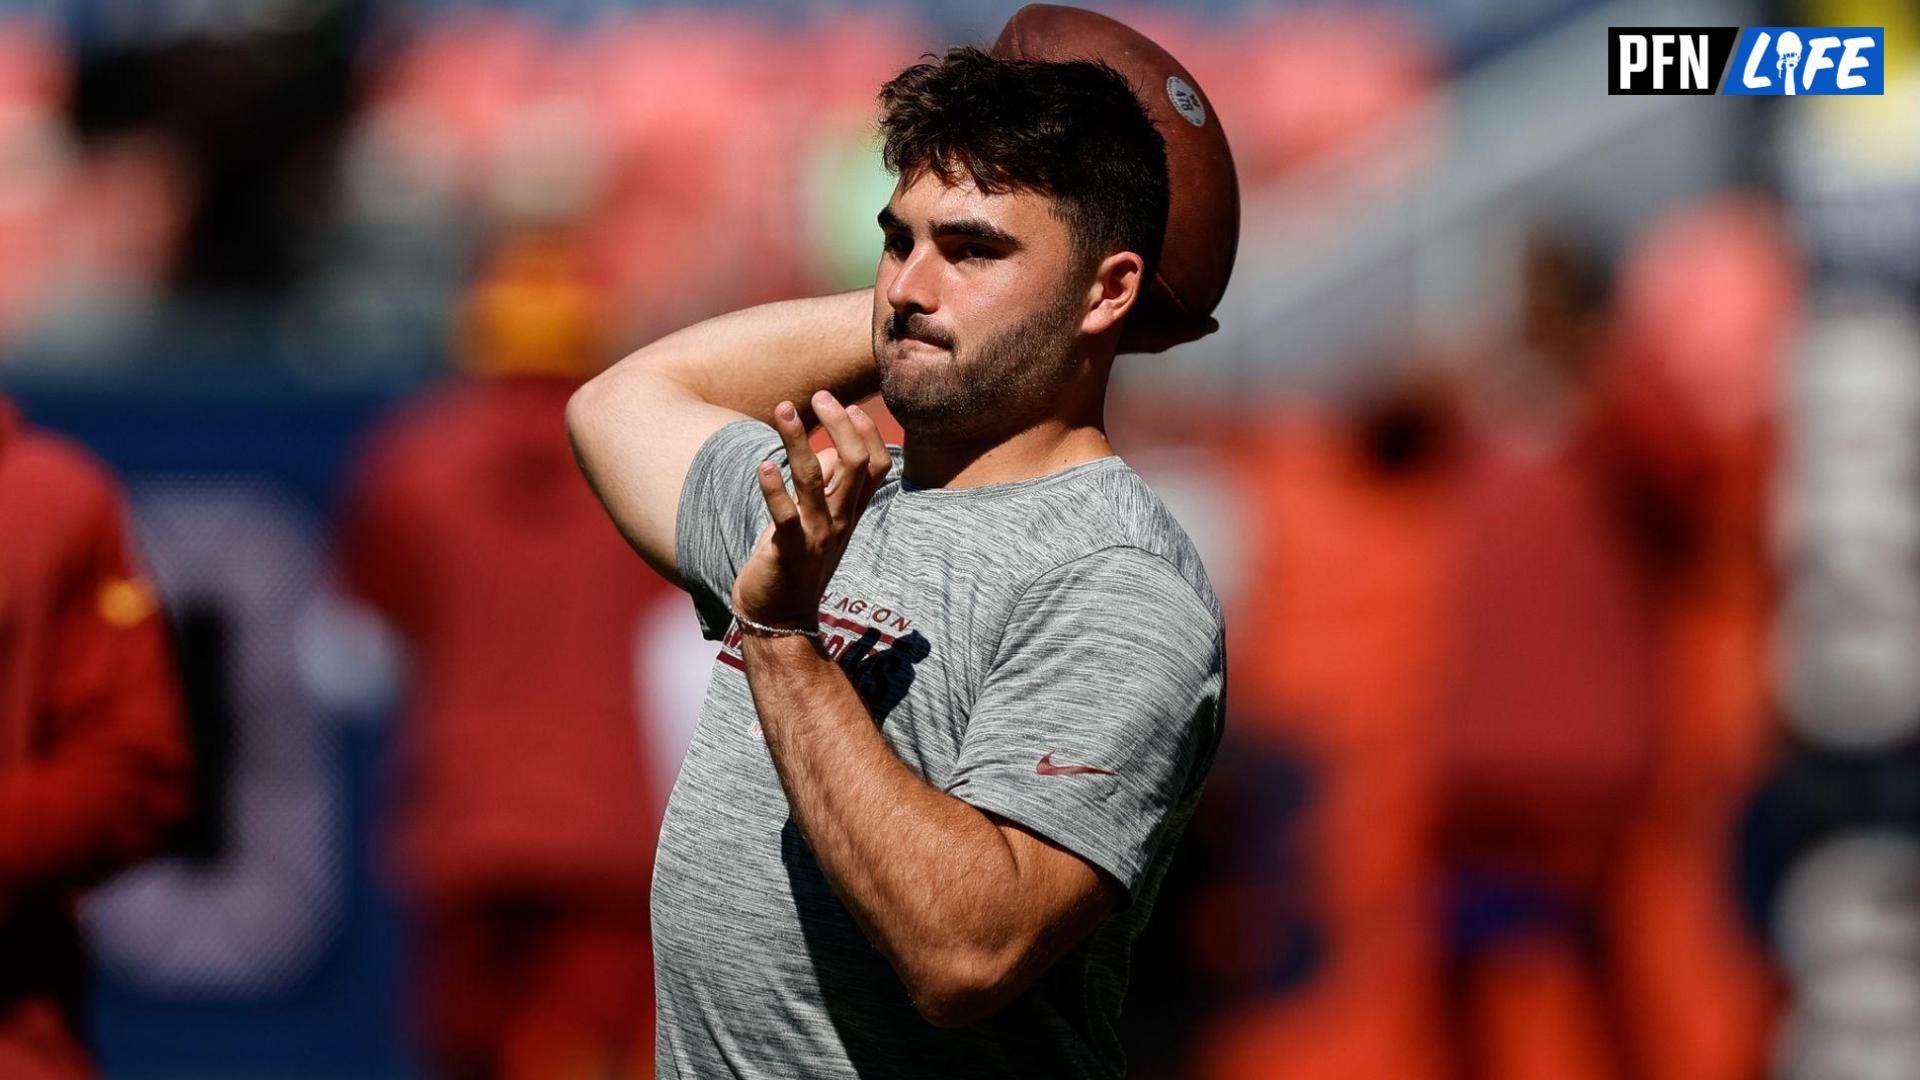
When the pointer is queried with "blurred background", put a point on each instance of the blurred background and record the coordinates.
(1558, 464)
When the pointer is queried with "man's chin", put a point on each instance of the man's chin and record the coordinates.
(920, 407)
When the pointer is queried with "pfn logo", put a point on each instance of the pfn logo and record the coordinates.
(1667, 59)
(1782, 60)
(1794, 60)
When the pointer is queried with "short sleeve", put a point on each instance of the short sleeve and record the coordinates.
(1102, 711)
(721, 515)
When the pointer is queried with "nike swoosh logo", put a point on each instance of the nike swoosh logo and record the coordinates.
(1046, 767)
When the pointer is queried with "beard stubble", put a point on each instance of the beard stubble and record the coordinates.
(1004, 383)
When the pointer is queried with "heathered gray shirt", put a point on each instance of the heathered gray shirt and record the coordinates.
(1048, 650)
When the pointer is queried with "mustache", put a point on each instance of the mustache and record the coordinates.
(918, 327)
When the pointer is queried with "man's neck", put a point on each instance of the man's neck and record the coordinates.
(1048, 447)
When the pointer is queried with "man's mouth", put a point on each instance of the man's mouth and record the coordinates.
(903, 342)
(902, 332)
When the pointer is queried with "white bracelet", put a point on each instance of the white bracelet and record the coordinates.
(776, 631)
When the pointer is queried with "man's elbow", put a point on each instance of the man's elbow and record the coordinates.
(966, 991)
(586, 411)
(621, 396)
(961, 1006)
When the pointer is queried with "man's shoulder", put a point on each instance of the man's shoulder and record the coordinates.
(1118, 517)
(1112, 537)
(1094, 517)
(1161, 584)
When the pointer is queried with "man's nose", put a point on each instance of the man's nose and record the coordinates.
(912, 287)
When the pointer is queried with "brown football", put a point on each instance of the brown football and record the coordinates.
(1203, 212)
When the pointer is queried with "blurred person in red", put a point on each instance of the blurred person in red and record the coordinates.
(1606, 716)
(1529, 678)
(522, 822)
(93, 749)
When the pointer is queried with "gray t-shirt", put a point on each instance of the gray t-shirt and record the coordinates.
(1048, 650)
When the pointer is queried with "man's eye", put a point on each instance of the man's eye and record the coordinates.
(976, 251)
(898, 245)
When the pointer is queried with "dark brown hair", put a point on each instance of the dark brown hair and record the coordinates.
(1073, 131)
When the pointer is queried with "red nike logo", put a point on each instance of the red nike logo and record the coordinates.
(1048, 768)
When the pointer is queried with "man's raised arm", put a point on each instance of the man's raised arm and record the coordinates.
(637, 426)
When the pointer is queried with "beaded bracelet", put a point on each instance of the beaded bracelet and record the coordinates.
(775, 631)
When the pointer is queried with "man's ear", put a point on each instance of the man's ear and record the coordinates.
(1116, 287)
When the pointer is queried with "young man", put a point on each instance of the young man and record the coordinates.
(946, 754)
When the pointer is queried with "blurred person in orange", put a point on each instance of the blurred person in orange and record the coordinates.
(93, 749)
(1316, 926)
(1530, 748)
(522, 819)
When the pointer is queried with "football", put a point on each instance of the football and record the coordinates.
(1203, 213)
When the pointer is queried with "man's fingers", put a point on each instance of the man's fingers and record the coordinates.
(851, 447)
(879, 462)
(780, 506)
(829, 466)
(808, 484)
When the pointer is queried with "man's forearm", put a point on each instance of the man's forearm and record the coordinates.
(637, 426)
(927, 876)
(753, 359)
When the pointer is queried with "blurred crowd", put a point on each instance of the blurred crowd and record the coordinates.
(707, 160)
(1574, 694)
